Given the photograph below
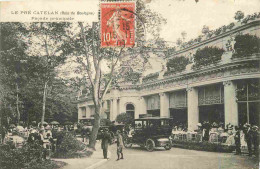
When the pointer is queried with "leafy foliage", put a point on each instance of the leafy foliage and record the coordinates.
(239, 15)
(246, 45)
(69, 147)
(11, 157)
(207, 56)
(177, 64)
(204, 146)
(27, 157)
(25, 67)
(124, 118)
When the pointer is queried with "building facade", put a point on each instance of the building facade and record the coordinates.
(224, 92)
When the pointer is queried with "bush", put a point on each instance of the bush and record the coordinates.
(69, 147)
(203, 146)
(47, 164)
(246, 45)
(17, 158)
(207, 56)
(124, 118)
(177, 64)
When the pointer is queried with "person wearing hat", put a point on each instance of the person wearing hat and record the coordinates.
(237, 140)
(119, 145)
(248, 137)
(255, 140)
(106, 140)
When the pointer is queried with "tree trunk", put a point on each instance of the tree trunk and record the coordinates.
(93, 136)
(17, 104)
(44, 102)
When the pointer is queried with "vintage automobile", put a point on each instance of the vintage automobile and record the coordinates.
(150, 132)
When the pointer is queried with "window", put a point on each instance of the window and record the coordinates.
(130, 110)
(138, 124)
(83, 112)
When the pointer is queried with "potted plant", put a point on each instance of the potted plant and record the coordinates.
(224, 28)
(231, 25)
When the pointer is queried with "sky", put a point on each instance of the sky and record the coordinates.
(189, 16)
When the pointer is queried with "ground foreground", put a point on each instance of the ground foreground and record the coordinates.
(177, 158)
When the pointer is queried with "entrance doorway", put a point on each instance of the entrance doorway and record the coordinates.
(212, 113)
(180, 116)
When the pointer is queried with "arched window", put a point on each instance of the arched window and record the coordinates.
(130, 109)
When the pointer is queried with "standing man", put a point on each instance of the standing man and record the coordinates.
(106, 139)
(255, 140)
(120, 145)
(248, 137)
(237, 141)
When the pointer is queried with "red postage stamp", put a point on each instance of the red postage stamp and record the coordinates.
(117, 24)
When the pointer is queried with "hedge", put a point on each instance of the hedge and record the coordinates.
(203, 146)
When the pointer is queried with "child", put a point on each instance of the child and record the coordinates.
(119, 145)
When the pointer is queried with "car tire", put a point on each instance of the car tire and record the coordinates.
(168, 146)
(150, 145)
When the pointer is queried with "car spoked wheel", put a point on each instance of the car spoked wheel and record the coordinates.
(150, 145)
(168, 146)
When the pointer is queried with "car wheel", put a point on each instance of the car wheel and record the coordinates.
(168, 146)
(150, 145)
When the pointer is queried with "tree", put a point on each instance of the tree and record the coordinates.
(239, 15)
(124, 118)
(13, 61)
(85, 45)
(48, 41)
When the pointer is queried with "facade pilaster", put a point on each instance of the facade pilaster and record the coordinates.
(114, 109)
(164, 105)
(230, 104)
(193, 108)
(143, 107)
(111, 110)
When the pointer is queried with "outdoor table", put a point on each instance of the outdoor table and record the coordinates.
(191, 135)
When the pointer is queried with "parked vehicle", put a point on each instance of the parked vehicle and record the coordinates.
(150, 132)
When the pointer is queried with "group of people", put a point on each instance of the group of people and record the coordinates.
(251, 137)
(245, 135)
(106, 140)
(18, 135)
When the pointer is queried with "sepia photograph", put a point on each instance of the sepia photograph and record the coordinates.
(129, 84)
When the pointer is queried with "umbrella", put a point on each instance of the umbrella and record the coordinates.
(44, 123)
(68, 123)
(19, 128)
(54, 123)
(12, 126)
